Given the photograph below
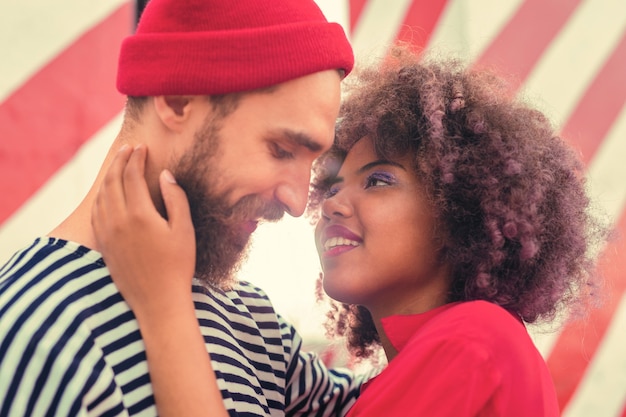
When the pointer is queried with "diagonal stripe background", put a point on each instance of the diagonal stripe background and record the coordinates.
(59, 111)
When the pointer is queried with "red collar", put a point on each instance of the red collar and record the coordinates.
(399, 329)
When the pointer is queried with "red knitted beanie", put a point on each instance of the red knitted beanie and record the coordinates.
(200, 47)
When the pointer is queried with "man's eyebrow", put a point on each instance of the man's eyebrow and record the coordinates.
(301, 139)
(377, 163)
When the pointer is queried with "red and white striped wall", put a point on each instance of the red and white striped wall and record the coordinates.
(59, 112)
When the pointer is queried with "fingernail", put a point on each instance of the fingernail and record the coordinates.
(123, 147)
(167, 175)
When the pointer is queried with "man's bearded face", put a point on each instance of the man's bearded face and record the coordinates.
(222, 241)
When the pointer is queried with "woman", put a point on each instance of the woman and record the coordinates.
(449, 215)
(456, 216)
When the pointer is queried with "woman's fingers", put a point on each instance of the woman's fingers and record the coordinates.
(176, 202)
(110, 200)
(136, 192)
(179, 215)
(112, 188)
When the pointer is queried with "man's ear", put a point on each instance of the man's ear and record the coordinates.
(173, 111)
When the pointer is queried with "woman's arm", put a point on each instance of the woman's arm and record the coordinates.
(152, 262)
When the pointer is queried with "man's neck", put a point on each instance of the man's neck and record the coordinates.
(77, 226)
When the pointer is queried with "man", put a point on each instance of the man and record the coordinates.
(236, 99)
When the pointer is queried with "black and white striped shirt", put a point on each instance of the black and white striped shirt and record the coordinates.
(70, 345)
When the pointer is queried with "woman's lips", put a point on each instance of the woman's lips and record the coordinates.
(337, 240)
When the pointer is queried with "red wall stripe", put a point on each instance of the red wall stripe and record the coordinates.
(595, 113)
(521, 43)
(46, 120)
(516, 51)
(356, 8)
(586, 128)
(420, 21)
(580, 339)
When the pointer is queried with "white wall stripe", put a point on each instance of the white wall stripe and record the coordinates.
(377, 27)
(467, 27)
(32, 32)
(607, 190)
(602, 391)
(546, 335)
(608, 170)
(336, 11)
(573, 59)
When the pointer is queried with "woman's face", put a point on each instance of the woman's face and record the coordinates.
(376, 238)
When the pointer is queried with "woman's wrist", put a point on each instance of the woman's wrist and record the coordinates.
(167, 313)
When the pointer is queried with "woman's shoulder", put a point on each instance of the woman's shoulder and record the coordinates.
(480, 320)
(481, 310)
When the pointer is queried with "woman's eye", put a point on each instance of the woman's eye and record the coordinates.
(331, 191)
(379, 180)
(375, 182)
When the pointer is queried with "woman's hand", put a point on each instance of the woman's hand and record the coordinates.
(151, 259)
(152, 262)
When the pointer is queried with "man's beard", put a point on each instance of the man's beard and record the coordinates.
(221, 242)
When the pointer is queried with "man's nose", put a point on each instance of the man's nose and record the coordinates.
(293, 193)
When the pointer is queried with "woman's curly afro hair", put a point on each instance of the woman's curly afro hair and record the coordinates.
(509, 193)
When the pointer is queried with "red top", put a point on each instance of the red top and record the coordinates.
(462, 359)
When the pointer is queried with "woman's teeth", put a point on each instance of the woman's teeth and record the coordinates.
(339, 241)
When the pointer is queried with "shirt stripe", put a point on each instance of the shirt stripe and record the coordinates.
(70, 345)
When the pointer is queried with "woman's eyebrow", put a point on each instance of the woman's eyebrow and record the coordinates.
(376, 163)
(330, 181)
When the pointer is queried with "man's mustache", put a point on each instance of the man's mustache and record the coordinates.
(248, 208)
(251, 208)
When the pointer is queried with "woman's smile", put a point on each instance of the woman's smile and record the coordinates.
(337, 239)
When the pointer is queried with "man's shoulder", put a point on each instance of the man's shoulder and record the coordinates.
(242, 311)
(49, 256)
(66, 332)
(238, 293)
(50, 282)
(51, 269)
(241, 302)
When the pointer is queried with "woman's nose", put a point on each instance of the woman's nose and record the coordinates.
(337, 205)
